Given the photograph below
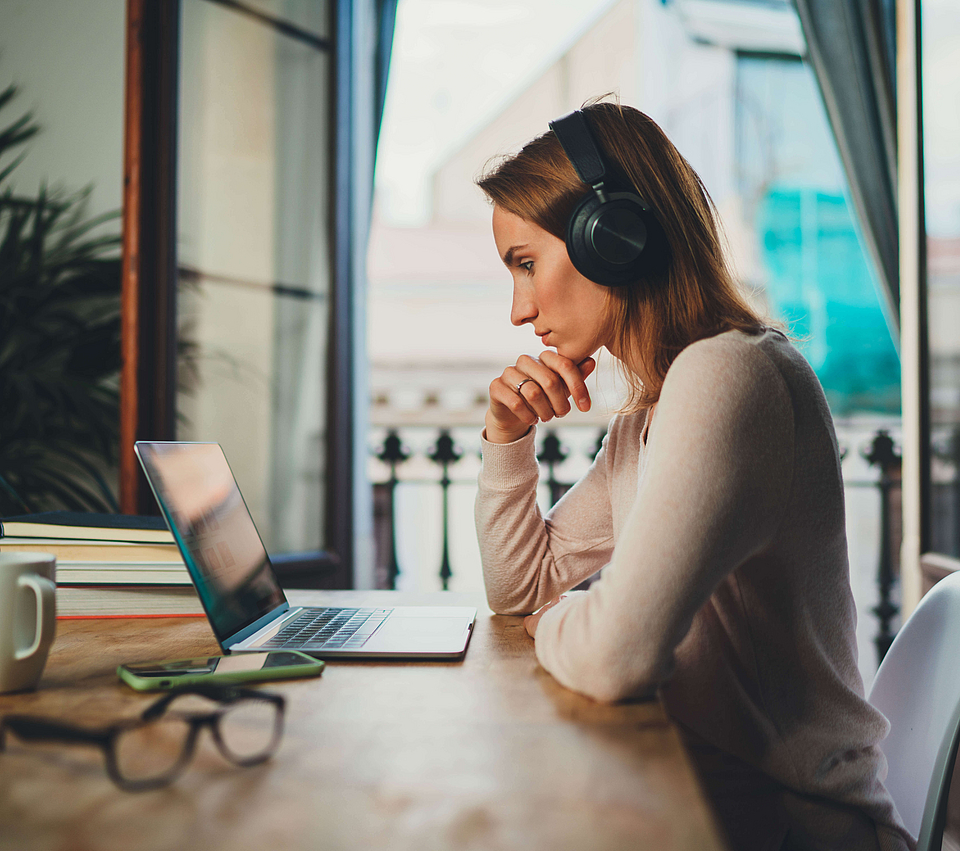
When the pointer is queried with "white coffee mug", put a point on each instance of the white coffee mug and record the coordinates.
(28, 617)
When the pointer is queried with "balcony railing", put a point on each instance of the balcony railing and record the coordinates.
(425, 482)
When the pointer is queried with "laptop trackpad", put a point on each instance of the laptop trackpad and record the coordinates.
(424, 634)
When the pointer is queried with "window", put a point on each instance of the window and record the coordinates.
(940, 34)
(255, 259)
(251, 132)
(815, 274)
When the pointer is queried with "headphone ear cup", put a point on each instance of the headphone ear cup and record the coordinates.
(616, 241)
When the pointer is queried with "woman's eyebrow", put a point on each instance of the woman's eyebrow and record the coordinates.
(508, 257)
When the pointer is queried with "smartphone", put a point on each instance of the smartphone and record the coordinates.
(238, 668)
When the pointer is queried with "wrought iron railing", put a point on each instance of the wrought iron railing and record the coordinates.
(945, 488)
(438, 461)
(882, 455)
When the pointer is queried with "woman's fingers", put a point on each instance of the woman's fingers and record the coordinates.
(557, 379)
(531, 622)
(573, 376)
(507, 404)
(545, 393)
(536, 389)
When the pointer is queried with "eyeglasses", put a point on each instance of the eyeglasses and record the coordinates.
(151, 751)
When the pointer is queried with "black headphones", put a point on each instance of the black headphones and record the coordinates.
(613, 237)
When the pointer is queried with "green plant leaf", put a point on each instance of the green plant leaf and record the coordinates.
(59, 342)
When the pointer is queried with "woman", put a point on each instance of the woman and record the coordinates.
(715, 504)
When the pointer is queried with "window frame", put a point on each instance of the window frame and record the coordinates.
(914, 344)
(150, 272)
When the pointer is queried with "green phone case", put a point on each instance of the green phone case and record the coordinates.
(310, 668)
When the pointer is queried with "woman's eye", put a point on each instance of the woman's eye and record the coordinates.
(528, 265)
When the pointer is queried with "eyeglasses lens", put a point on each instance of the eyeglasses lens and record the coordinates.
(250, 730)
(151, 751)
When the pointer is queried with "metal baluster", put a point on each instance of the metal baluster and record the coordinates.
(945, 492)
(445, 453)
(551, 455)
(882, 455)
(393, 454)
(955, 461)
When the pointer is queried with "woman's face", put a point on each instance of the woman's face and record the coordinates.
(568, 312)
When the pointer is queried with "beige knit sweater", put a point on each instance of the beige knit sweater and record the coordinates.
(719, 520)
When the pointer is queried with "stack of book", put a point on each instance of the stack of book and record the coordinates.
(108, 565)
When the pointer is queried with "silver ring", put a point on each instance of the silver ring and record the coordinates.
(525, 380)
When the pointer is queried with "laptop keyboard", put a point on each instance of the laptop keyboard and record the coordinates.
(329, 629)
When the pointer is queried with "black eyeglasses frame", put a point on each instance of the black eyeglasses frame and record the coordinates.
(36, 729)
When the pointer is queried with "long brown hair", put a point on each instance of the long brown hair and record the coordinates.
(656, 318)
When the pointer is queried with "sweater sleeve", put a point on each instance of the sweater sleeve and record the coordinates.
(719, 466)
(529, 559)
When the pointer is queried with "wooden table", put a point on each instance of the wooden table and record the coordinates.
(487, 753)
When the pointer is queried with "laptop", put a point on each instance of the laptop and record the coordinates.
(238, 587)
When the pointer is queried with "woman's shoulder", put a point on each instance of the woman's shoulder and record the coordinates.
(735, 363)
(732, 351)
(726, 391)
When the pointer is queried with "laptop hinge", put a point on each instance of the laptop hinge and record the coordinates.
(269, 620)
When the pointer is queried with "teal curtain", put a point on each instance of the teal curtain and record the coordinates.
(851, 47)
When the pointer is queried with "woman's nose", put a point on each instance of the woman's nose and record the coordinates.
(523, 309)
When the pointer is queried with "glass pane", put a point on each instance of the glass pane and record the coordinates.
(61, 352)
(310, 16)
(940, 22)
(255, 262)
(814, 272)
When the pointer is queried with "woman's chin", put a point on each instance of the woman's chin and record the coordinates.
(574, 353)
(566, 351)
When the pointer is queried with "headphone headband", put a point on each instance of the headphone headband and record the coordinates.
(573, 133)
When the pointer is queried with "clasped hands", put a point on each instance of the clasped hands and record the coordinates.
(535, 389)
(531, 621)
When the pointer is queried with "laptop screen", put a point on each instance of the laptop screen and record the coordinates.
(220, 544)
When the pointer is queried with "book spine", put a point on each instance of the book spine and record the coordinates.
(87, 617)
(127, 601)
(99, 553)
(81, 579)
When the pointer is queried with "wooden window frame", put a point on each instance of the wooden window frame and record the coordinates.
(149, 276)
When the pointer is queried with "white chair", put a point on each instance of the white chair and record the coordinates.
(918, 689)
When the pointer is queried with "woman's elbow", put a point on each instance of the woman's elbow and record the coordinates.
(613, 690)
(615, 681)
(505, 603)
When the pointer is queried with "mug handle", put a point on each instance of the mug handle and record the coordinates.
(45, 592)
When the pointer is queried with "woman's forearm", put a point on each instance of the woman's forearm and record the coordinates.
(528, 559)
